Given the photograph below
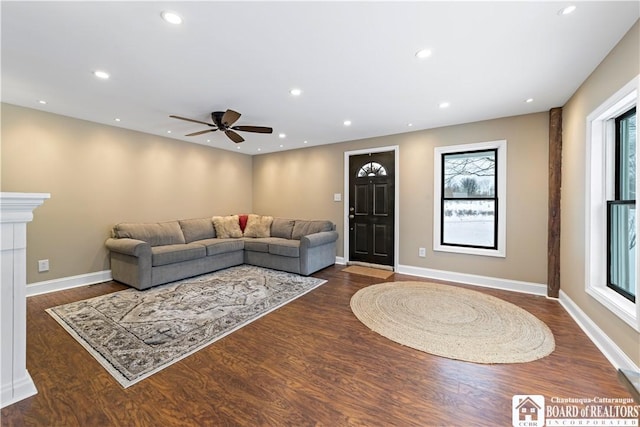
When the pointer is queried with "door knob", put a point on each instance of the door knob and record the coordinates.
(351, 216)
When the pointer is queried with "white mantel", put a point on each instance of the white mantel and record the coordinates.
(16, 210)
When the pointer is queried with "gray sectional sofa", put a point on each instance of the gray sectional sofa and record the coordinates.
(149, 254)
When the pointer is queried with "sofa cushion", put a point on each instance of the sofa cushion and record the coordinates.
(290, 248)
(156, 234)
(227, 226)
(256, 245)
(258, 226)
(282, 228)
(304, 228)
(169, 254)
(197, 229)
(221, 246)
(261, 244)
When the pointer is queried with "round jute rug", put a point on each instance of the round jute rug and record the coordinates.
(453, 322)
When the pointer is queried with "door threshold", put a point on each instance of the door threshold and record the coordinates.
(371, 265)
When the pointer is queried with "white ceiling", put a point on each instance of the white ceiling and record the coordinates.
(352, 60)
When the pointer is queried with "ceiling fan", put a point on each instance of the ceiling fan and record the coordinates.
(224, 121)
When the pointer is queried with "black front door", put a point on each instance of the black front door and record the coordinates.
(371, 208)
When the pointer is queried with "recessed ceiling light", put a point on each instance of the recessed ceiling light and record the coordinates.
(282, 135)
(101, 74)
(423, 53)
(444, 105)
(171, 17)
(347, 122)
(409, 124)
(529, 100)
(281, 145)
(295, 92)
(42, 101)
(305, 142)
(567, 10)
(208, 140)
(117, 119)
(259, 149)
(168, 131)
(238, 147)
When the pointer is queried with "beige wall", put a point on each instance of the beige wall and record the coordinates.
(301, 183)
(620, 66)
(100, 175)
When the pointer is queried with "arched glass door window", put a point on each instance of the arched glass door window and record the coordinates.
(372, 169)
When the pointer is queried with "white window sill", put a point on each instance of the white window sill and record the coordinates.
(471, 251)
(617, 304)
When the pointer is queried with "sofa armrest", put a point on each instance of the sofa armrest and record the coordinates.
(318, 239)
(126, 246)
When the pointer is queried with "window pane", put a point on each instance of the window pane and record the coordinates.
(622, 248)
(627, 155)
(470, 175)
(469, 223)
(372, 169)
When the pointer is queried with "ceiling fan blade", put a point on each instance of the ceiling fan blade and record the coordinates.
(201, 132)
(234, 136)
(257, 129)
(230, 117)
(191, 120)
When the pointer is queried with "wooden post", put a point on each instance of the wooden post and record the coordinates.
(555, 184)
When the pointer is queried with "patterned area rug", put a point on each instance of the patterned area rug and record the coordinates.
(453, 322)
(134, 334)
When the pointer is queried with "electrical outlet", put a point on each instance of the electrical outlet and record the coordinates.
(422, 252)
(43, 265)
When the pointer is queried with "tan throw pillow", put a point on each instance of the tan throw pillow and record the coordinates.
(227, 226)
(258, 226)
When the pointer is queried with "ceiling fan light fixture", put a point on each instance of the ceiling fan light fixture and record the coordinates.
(171, 17)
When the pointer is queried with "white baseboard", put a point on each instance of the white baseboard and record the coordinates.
(13, 392)
(473, 279)
(609, 348)
(54, 285)
(340, 260)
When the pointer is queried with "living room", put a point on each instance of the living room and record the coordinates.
(99, 175)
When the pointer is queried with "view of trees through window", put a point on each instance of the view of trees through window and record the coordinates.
(621, 216)
(469, 202)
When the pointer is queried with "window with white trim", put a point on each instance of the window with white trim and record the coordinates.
(470, 198)
(611, 226)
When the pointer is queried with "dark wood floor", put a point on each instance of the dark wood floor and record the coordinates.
(308, 363)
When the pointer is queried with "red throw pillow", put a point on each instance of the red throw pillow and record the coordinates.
(243, 221)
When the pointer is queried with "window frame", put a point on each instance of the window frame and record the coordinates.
(500, 197)
(618, 200)
(600, 180)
